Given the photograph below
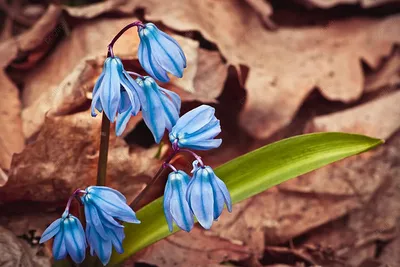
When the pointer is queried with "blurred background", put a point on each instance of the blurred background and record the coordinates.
(272, 69)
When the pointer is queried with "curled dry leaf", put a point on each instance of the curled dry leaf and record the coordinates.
(11, 137)
(30, 39)
(379, 118)
(388, 76)
(64, 157)
(182, 249)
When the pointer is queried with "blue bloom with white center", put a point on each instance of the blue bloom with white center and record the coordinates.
(176, 208)
(69, 238)
(206, 195)
(115, 91)
(160, 107)
(196, 129)
(102, 206)
(159, 53)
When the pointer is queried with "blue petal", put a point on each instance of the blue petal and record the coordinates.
(131, 88)
(203, 144)
(179, 207)
(193, 120)
(96, 104)
(225, 192)
(166, 52)
(167, 204)
(218, 196)
(114, 208)
(74, 237)
(116, 235)
(152, 110)
(182, 54)
(59, 248)
(171, 114)
(208, 131)
(200, 198)
(92, 218)
(146, 58)
(110, 93)
(101, 247)
(122, 120)
(50, 231)
(106, 192)
(174, 97)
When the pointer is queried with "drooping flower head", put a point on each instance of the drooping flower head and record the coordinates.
(206, 195)
(176, 208)
(115, 91)
(196, 129)
(159, 53)
(69, 238)
(102, 206)
(160, 107)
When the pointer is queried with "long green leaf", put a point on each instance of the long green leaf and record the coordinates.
(253, 173)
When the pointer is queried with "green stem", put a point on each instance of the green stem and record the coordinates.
(103, 152)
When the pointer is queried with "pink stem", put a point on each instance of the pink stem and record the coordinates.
(127, 27)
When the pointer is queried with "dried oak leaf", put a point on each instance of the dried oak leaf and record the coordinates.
(30, 39)
(386, 77)
(332, 3)
(64, 157)
(11, 136)
(13, 252)
(196, 248)
(354, 238)
(379, 118)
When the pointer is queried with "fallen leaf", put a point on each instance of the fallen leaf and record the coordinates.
(182, 249)
(64, 157)
(379, 118)
(3, 178)
(264, 11)
(30, 39)
(13, 252)
(11, 137)
(386, 77)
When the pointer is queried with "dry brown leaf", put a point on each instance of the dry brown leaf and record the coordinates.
(332, 3)
(378, 118)
(264, 11)
(390, 254)
(3, 178)
(194, 249)
(29, 40)
(386, 77)
(13, 252)
(11, 137)
(64, 157)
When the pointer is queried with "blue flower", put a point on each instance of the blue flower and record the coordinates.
(197, 129)
(176, 207)
(206, 195)
(69, 238)
(115, 91)
(160, 107)
(159, 53)
(102, 205)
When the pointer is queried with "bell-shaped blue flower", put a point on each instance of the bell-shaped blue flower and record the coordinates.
(196, 129)
(160, 107)
(69, 238)
(206, 195)
(176, 208)
(115, 91)
(102, 206)
(159, 53)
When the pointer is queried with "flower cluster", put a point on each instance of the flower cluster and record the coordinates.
(202, 195)
(104, 208)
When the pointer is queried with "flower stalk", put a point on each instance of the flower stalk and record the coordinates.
(103, 152)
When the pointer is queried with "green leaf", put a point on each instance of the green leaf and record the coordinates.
(253, 173)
